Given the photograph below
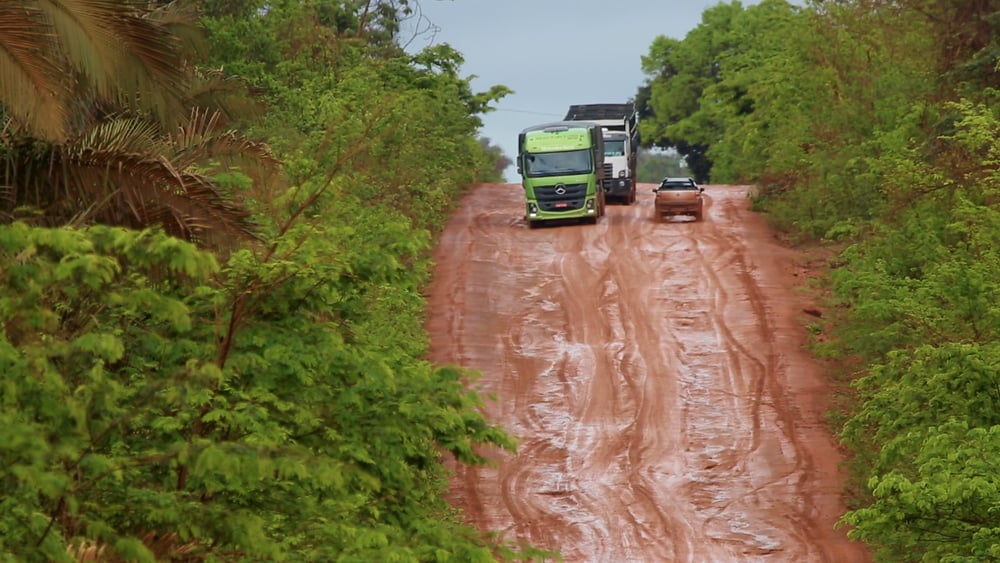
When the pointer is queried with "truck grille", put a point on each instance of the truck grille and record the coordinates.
(549, 198)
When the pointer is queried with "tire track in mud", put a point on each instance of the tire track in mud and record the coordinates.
(730, 436)
(608, 429)
(643, 365)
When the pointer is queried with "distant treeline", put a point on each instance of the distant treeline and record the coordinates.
(655, 165)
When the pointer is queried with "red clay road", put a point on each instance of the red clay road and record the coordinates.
(656, 376)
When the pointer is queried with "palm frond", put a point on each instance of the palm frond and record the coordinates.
(155, 54)
(150, 180)
(203, 138)
(120, 52)
(32, 87)
(212, 88)
(181, 18)
(121, 172)
(80, 81)
(122, 136)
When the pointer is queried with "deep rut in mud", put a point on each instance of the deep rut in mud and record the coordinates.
(656, 377)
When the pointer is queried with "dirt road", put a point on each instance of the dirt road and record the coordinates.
(656, 377)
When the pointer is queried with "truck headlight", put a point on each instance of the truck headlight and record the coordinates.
(621, 173)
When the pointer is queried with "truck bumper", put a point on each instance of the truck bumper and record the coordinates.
(618, 186)
(536, 213)
(670, 210)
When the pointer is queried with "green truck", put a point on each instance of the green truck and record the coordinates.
(562, 171)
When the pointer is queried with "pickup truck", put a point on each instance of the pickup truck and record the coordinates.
(679, 196)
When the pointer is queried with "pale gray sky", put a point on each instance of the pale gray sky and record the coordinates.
(552, 53)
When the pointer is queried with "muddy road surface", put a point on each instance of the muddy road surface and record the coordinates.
(656, 377)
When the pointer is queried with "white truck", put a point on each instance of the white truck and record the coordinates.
(620, 124)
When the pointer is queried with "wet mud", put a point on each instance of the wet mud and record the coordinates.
(656, 376)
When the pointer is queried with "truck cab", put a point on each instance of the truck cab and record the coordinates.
(618, 182)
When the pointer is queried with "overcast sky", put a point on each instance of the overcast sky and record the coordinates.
(552, 53)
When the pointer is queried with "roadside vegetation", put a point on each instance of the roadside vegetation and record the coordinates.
(872, 127)
(215, 224)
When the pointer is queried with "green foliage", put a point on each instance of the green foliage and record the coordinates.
(337, 110)
(140, 396)
(920, 296)
(869, 97)
(73, 386)
(943, 506)
(677, 115)
(930, 275)
(800, 101)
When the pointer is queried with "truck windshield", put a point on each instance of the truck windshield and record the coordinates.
(614, 148)
(556, 163)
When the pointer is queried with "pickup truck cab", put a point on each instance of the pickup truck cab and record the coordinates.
(679, 196)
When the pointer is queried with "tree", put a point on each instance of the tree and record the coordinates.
(100, 124)
(655, 166)
(62, 57)
(675, 113)
(500, 161)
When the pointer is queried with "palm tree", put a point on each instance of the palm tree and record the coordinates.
(53, 52)
(98, 124)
